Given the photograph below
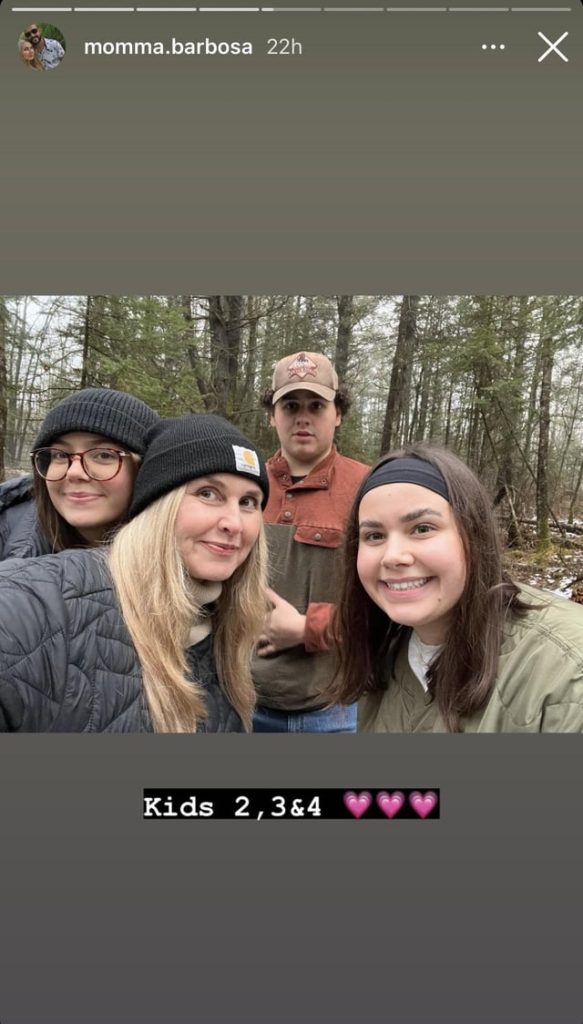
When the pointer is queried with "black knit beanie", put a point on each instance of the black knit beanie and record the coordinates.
(182, 449)
(112, 414)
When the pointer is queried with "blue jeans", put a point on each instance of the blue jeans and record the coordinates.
(337, 719)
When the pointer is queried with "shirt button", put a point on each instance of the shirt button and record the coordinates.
(317, 536)
(289, 494)
(287, 515)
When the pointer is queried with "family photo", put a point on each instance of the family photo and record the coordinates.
(291, 514)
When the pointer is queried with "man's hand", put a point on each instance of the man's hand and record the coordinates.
(284, 627)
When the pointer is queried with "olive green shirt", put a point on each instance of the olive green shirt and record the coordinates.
(538, 687)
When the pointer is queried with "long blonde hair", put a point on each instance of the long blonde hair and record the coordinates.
(36, 62)
(159, 609)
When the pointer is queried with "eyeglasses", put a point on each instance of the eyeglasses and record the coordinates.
(97, 463)
(31, 32)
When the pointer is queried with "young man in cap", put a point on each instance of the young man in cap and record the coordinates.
(311, 491)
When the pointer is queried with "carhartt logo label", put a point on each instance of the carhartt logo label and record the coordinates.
(302, 367)
(246, 460)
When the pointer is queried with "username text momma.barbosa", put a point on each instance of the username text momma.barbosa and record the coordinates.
(173, 47)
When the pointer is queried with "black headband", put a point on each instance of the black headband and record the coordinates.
(407, 470)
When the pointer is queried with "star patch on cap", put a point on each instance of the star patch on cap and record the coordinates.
(302, 366)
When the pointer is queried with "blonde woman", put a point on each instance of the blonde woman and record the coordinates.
(156, 634)
(28, 56)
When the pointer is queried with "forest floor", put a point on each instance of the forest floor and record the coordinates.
(556, 570)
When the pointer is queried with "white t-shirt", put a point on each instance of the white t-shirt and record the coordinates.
(420, 657)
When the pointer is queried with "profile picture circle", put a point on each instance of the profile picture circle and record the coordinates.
(41, 46)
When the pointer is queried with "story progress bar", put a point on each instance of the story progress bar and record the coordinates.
(292, 10)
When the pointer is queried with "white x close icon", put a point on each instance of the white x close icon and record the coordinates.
(553, 47)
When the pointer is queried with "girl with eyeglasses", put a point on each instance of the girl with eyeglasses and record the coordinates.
(85, 460)
(434, 635)
(154, 632)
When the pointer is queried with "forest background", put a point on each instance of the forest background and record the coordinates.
(497, 379)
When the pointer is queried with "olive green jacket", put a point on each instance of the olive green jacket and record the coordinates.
(538, 688)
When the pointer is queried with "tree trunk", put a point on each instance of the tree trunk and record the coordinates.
(510, 412)
(225, 320)
(344, 338)
(575, 494)
(396, 423)
(191, 340)
(249, 417)
(542, 490)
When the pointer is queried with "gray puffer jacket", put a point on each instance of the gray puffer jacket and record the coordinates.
(20, 533)
(67, 663)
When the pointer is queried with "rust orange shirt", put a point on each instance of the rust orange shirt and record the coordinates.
(305, 527)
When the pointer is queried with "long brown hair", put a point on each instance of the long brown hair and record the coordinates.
(461, 678)
(58, 533)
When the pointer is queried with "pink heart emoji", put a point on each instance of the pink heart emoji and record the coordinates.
(423, 803)
(390, 803)
(357, 803)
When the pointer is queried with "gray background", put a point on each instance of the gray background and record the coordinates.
(394, 156)
(472, 918)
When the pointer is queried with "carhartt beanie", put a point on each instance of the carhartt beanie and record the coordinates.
(182, 449)
(112, 414)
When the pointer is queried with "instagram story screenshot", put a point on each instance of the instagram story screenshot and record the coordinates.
(291, 512)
